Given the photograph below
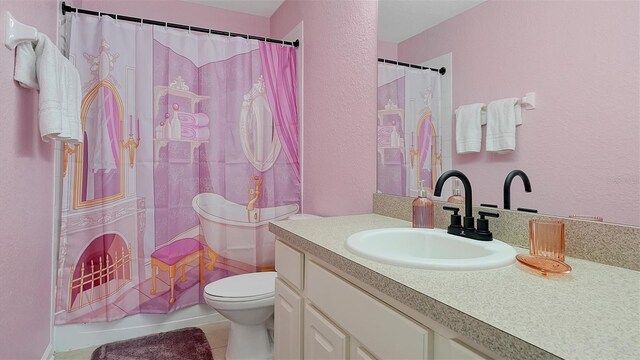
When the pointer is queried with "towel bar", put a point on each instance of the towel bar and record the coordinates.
(17, 32)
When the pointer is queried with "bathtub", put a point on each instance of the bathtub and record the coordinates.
(237, 234)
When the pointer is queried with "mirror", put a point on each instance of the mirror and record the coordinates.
(409, 123)
(580, 146)
(257, 130)
(99, 175)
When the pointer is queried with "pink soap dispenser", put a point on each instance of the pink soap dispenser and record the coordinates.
(456, 197)
(423, 209)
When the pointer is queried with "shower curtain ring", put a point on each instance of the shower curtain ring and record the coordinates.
(189, 29)
(116, 18)
(166, 26)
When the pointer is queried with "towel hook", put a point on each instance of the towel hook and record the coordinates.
(17, 32)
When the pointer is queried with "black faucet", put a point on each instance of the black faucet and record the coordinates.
(507, 186)
(467, 229)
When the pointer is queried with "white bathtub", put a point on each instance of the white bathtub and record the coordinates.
(237, 234)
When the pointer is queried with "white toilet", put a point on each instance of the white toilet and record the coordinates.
(247, 302)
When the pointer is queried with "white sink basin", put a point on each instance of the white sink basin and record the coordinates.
(430, 249)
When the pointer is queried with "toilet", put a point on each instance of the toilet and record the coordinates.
(247, 302)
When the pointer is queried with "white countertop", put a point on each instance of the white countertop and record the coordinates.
(591, 313)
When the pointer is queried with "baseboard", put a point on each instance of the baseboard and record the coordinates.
(78, 336)
(48, 352)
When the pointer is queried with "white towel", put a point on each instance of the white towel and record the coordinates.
(60, 89)
(25, 68)
(502, 118)
(469, 121)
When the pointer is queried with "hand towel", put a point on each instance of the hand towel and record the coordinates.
(60, 89)
(25, 67)
(469, 121)
(502, 118)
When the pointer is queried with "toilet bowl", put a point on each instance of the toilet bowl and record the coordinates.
(247, 302)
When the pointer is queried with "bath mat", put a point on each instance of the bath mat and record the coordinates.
(186, 344)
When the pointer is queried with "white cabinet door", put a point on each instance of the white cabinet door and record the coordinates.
(288, 323)
(322, 339)
(358, 352)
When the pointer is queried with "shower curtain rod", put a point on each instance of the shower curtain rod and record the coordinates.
(66, 8)
(442, 70)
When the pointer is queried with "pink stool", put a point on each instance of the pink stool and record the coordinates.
(177, 254)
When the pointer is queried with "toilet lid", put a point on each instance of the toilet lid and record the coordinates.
(252, 285)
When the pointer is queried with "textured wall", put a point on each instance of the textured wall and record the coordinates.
(340, 75)
(581, 146)
(183, 13)
(26, 202)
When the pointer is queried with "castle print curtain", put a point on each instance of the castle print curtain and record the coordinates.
(184, 162)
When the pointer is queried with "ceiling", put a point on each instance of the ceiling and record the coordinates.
(264, 8)
(398, 20)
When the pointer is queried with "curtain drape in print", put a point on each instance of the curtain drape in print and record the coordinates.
(180, 171)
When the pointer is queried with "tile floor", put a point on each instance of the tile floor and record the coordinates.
(216, 333)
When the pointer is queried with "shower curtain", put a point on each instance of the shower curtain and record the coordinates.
(190, 149)
(409, 130)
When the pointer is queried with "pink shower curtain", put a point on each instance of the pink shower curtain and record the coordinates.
(193, 189)
(279, 69)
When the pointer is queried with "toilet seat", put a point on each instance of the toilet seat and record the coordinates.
(242, 288)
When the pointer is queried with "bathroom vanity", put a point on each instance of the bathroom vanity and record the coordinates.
(332, 304)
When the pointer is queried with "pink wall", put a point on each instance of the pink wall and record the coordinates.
(183, 13)
(581, 146)
(339, 101)
(387, 50)
(26, 198)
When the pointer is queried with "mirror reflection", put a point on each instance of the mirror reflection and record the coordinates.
(580, 146)
(409, 122)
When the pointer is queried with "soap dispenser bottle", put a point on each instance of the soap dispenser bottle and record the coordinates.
(423, 209)
(457, 197)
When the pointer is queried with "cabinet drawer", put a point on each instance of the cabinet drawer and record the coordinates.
(386, 333)
(289, 265)
(458, 350)
(453, 349)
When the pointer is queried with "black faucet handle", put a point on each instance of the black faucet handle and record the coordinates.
(528, 210)
(484, 213)
(456, 220)
(483, 224)
(489, 205)
(451, 208)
